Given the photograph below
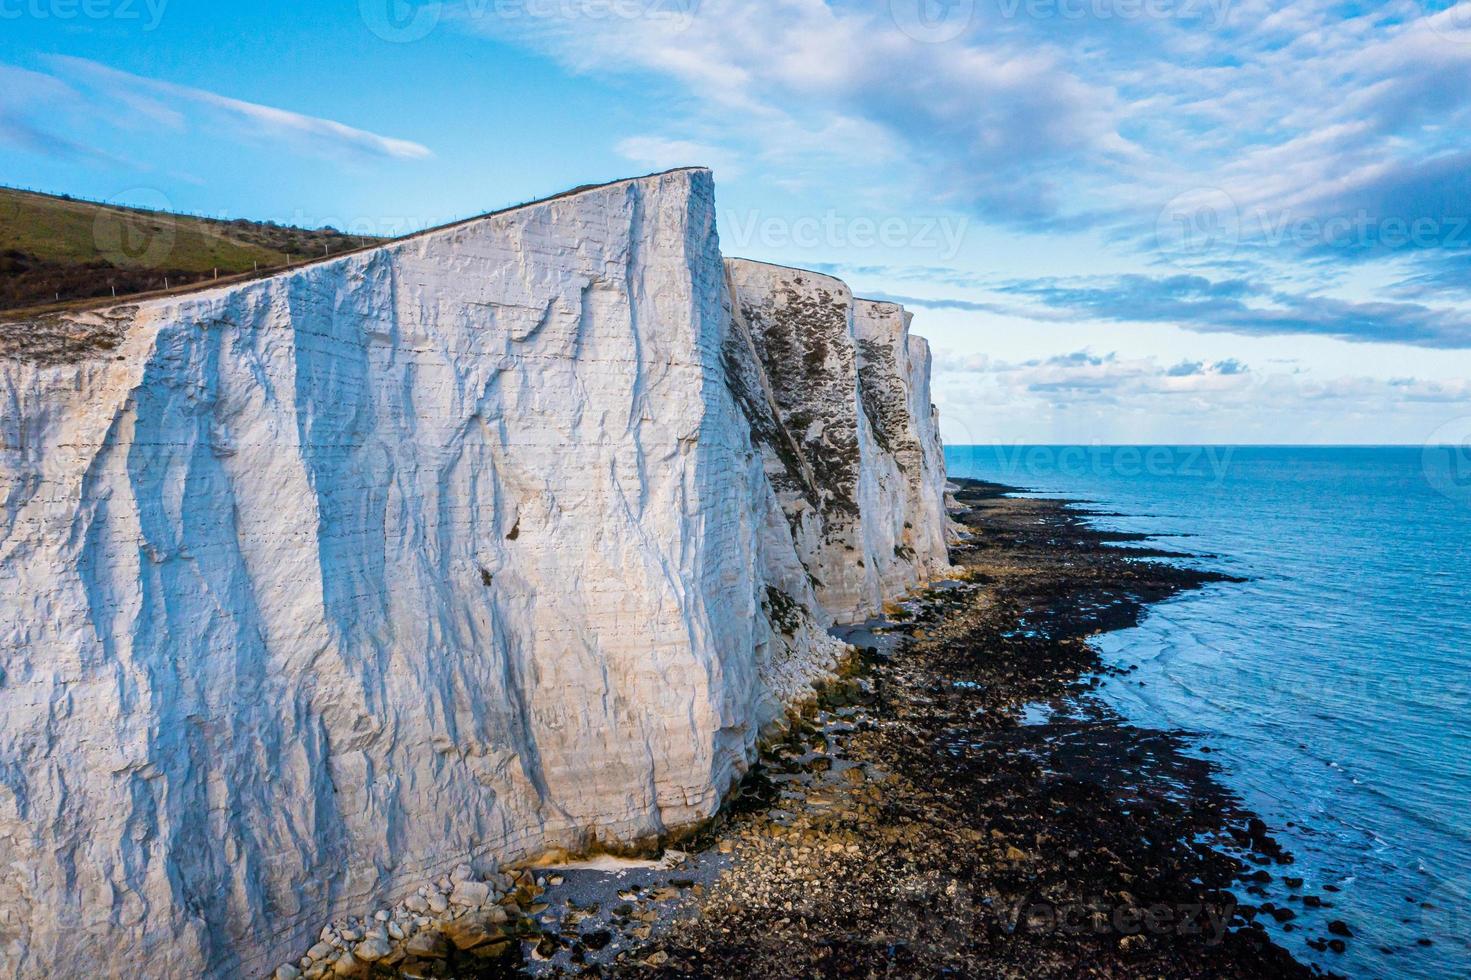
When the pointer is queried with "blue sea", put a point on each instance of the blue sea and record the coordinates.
(1333, 687)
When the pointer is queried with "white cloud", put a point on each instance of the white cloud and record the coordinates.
(1085, 396)
(1051, 123)
(810, 85)
(1106, 377)
(658, 153)
(165, 104)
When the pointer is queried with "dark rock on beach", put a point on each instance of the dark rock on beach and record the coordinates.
(960, 804)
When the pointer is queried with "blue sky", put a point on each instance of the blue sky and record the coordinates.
(1117, 220)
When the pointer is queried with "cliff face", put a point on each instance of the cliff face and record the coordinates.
(894, 386)
(850, 438)
(507, 536)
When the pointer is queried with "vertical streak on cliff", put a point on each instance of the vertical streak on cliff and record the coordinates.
(510, 535)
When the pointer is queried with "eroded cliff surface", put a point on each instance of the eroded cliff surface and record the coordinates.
(507, 536)
(850, 434)
(894, 388)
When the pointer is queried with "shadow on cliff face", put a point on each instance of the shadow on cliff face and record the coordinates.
(958, 803)
(962, 805)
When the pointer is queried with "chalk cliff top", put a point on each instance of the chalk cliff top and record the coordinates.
(14, 347)
(493, 541)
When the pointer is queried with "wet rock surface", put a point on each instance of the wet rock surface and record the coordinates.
(956, 804)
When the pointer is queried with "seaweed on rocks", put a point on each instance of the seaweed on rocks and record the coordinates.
(957, 804)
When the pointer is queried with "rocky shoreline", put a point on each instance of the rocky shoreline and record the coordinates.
(955, 804)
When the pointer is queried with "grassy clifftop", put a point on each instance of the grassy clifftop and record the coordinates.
(58, 248)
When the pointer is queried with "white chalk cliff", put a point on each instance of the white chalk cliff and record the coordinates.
(509, 535)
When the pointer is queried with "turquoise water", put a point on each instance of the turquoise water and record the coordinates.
(1333, 687)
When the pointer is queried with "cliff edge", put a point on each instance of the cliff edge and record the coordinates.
(506, 536)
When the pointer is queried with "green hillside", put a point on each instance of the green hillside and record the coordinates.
(59, 249)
